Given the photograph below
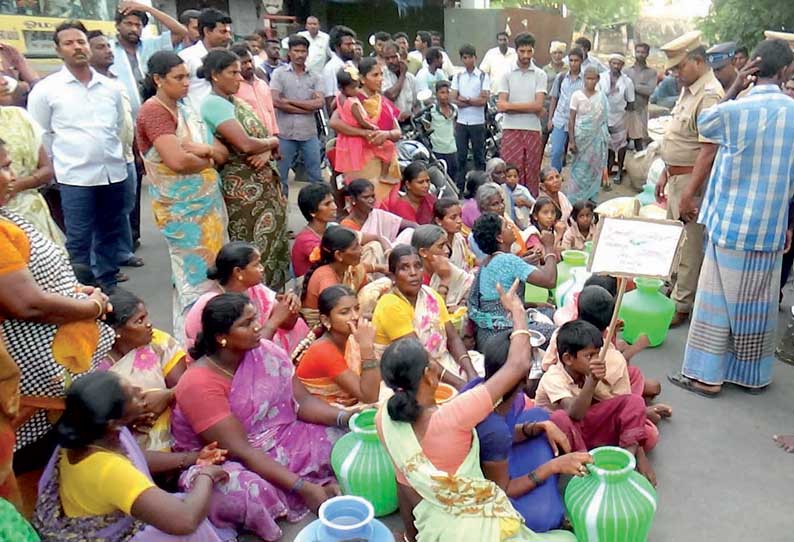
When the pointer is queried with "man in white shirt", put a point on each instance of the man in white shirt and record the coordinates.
(132, 51)
(399, 85)
(318, 45)
(470, 92)
(499, 60)
(423, 43)
(81, 113)
(215, 30)
(101, 60)
(522, 92)
(589, 60)
(432, 73)
(342, 41)
(619, 89)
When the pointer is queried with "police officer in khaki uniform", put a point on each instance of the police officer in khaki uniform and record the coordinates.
(680, 150)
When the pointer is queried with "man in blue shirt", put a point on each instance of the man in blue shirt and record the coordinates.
(560, 108)
(132, 51)
(744, 211)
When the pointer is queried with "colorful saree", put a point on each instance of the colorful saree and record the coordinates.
(257, 208)
(147, 367)
(384, 114)
(429, 321)
(55, 526)
(464, 506)
(383, 224)
(190, 212)
(325, 387)
(264, 299)
(592, 138)
(262, 400)
(460, 254)
(23, 136)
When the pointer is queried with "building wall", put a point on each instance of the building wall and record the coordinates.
(480, 26)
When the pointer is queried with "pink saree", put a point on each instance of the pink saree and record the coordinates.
(261, 399)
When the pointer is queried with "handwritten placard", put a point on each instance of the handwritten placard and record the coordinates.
(636, 247)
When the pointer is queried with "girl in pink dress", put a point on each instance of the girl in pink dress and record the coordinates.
(353, 152)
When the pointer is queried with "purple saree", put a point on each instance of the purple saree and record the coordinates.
(54, 526)
(262, 400)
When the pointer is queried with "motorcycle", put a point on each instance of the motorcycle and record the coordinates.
(493, 130)
(415, 145)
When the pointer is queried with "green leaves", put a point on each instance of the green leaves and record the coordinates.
(744, 21)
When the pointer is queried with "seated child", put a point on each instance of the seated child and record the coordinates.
(596, 305)
(447, 214)
(519, 195)
(581, 226)
(353, 152)
(570, 386)
(544, 225)
(470, 211)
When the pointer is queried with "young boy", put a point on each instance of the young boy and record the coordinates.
(569, 389)
(595, 306)
(471, 89)
(521, 198)
(442, 122)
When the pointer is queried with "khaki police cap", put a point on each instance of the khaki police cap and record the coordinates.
(677, 49)
(785, 36)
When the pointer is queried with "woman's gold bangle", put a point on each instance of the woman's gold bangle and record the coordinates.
(520, 332)
(100, 308)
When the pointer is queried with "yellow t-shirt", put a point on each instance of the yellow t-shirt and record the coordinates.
(394, 317)
(100, 484)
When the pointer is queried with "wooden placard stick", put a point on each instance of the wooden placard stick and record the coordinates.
(613, 324)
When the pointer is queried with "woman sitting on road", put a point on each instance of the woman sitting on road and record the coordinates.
(238, 268)
(149, 359)
(317, 205)
(417, 203)
(241, 393)
(446, 278)
(500, 268)
(443, 493)
(447, 214)
(98, 484)
(522, 450)
(339, 263)
(388, 228)
(415, 310)
(339, 364)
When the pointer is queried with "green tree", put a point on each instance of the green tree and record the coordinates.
(588, 13)
(744, 21)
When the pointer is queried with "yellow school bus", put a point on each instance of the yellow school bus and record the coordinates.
(27, 25)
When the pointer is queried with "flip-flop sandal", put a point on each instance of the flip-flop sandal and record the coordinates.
(680, 381)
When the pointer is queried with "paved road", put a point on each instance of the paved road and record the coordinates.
(721, 478)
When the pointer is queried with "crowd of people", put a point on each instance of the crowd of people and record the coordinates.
(225, 425)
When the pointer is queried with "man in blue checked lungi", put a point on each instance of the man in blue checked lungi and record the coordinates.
(745, 211)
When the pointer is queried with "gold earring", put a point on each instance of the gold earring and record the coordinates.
(239, 277)
(118, 336)
(223, 343)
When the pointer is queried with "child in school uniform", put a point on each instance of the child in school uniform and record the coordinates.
(571, 390)
(442, 121)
